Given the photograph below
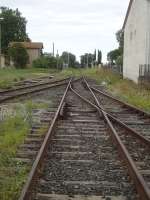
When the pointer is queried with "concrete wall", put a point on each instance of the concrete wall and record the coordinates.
(137, 39)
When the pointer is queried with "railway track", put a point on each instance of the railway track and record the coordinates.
(39, 123)
(30, 89)
(133, 147)
(131, 116)
(87, 154)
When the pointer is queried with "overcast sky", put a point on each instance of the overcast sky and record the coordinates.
(77, 26)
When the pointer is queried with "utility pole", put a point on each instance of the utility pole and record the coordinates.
(68, 59)
(57, 56)
(53, 49)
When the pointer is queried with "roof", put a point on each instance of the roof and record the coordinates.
(127, 14)
(30, 45)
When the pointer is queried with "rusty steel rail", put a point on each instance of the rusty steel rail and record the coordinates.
(35, 171)
(141, 186)
(131, 131)
(114, 119)
(31, 86)
(140, 111)
(13, 96)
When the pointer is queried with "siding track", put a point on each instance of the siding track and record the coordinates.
(133, 117)
(23, 91)
(133, 149)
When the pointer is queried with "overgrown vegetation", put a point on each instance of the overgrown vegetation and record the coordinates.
(19, 55)
(9, 76)
(13, 131)
(12, 173)
(123, 89)
(45, 62)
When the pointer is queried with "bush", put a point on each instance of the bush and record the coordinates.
(45, 62)
(119, 60)
(19, 55)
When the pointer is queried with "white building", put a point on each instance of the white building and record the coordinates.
(136, 38)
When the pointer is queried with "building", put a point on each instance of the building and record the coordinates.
(137, 40)
(34, 50)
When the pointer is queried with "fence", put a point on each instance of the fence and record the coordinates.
(144, 72)
(144, 75)
(115, 69)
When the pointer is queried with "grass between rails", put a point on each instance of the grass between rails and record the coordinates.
(125, 89)
(9, 76)
(13, 131)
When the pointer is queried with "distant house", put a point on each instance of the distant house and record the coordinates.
(34, 50)
(137, 40)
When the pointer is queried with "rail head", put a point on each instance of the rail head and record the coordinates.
(129, 130)
(141, 185)
(122, 102)
(26, 192)
(32, 91)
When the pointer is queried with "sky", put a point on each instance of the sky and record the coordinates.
(77, 26)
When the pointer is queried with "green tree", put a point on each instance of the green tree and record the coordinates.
(120, 39)
(119, 60)
(94, 57)
(87, 60)
(19, 55)
(45, 62)
(68, 58)
(83, 60)
(13, 27)
(99, 57)
(113, 55)
(116, 56)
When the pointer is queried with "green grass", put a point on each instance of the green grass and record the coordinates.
(125, 89)
(97, 74)
(13, 131)
(132, 94)
(9, 76)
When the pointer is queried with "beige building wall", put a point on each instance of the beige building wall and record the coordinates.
(137, 39)
(33, 54)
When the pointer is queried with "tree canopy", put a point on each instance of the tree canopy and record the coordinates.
(13, 27)
(120, 39)
(113, 55)
(89, 59)
(68, 59)
(45, 62)
(116, 56)
(99, 59)
(19, 55)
